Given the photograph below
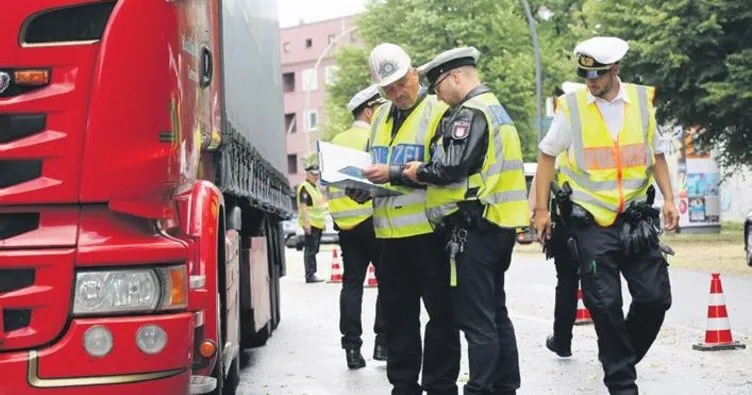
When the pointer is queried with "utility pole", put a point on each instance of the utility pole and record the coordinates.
(538, 73)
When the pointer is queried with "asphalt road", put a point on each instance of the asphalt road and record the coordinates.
(303, 356)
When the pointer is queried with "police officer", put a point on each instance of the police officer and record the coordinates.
(477, 197)
(412, 265)
(360, 247)
(565, 297)
(311, 217)
(567, 281)
(609, 154)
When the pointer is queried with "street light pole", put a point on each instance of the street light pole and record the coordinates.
(316, 77)
(538, 82)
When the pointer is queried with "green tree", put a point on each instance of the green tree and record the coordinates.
(698, 55)
(350, 77)
(427, 27)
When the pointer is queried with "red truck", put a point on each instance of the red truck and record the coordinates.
(141, 193)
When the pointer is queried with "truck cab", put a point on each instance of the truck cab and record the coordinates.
(141, 194)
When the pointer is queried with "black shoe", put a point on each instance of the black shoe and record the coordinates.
(560, 350)
(355, 359)
(379, 350)
(314, 279)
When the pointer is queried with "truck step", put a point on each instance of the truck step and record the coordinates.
(202, 384)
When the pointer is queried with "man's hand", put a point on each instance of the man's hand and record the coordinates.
(377, 174)
(542, 225)
(411, 171)
(670, 215)
(307, 229)
(358, 195)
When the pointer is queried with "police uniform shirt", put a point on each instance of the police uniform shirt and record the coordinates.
(361, 125)
(559, 136)
(464, 132)
(399, 116)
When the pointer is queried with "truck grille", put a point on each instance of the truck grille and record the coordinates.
(15, 224)
(17, 126)
(35, 294)
(15, 319)
(14, 172)
(15, 279)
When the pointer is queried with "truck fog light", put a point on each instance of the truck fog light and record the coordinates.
(98, 341)
(151, 339)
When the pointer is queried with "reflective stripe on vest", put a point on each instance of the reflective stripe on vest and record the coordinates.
(500, 183)
(606, 175)
(347, 213)
(403, 215)
(317, 212)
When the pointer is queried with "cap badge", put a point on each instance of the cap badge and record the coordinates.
(387, 68)
(587, 61)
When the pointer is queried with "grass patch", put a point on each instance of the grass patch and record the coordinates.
(722, 252)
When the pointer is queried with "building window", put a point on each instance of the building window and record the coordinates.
(286, 47)
(288, 82)
(292, 164)
(312, 120)
(290, 124)
(310, 80)
(308, 42)
(331, 38)
(330, 74)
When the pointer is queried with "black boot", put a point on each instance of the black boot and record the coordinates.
(355, 359)
(561, 350)
(379, 350)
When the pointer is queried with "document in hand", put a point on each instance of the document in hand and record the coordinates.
(343, 167)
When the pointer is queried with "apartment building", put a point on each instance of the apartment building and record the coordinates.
(303, 83)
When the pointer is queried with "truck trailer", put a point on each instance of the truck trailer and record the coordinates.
(142, 191)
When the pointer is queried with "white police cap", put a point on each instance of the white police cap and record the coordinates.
(448, 60)
(365, 96)
(597, 55)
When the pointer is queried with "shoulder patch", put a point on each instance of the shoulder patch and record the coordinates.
(500, 114)
(460, 130)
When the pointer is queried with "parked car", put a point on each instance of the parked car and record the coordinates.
(748, 237)
(297, 239)
(288, 228)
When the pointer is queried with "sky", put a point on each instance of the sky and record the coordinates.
(292, 11)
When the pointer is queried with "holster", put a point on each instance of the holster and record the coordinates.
(641, 229)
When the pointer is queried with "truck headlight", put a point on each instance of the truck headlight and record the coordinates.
(130, 290)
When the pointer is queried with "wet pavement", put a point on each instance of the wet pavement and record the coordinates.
(303, 357)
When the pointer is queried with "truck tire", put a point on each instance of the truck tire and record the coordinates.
(226, 385)
(276, 256)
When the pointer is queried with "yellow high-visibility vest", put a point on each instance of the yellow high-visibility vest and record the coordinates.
(317, 212)
(403, 215)
(500, 183)
(347, 213)
(605, 176)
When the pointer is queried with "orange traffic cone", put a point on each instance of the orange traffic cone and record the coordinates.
(718, 330)
(371, 278)
(336, 276)
(583, 314)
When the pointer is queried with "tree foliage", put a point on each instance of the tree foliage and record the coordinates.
(427, 27)
(698, 55)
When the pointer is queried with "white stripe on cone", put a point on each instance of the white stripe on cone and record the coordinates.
(716, 300)
(718, 324)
